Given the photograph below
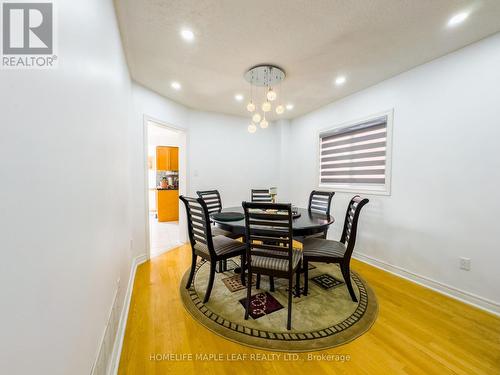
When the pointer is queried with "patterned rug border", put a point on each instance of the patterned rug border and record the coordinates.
(339, 334)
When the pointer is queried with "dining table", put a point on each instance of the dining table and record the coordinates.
(305, 222)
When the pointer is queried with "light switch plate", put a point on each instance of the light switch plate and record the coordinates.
(465, 263)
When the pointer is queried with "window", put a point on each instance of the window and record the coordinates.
(355, 157)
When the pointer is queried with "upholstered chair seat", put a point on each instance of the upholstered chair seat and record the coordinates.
(275, 263)
(316, 247)
(222, 246)
(221, 232)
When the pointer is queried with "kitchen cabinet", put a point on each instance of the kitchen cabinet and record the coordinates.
(174, 159)
(168, 205)
(167, 158)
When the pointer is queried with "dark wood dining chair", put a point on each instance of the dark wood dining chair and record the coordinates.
(269, 247)
(329, 251)
(261, 196)
(212, 249)
(320, 203)
(214, 204)
(212, 200)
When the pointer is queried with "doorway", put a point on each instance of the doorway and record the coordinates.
(165, 181)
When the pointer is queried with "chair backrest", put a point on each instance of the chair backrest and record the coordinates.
(212, 199)
(320, 201)
(351, 223)
(198, 220)
(269, 234)
(261, 196)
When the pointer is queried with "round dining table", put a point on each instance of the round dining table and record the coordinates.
(306, 224)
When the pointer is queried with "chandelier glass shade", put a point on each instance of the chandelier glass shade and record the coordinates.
(271, 95)
(252, 128)
(266, 107)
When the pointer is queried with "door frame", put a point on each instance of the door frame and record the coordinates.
(183, 175)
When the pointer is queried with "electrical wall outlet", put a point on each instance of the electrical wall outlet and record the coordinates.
(465, 264)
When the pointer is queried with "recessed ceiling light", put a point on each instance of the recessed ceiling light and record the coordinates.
(175, 85)
(187, 35)
(340, 80)
(238, 97)
(457, 19)
(289, 107)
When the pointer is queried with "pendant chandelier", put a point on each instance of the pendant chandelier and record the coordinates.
(264, 81)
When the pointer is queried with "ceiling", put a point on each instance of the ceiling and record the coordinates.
(367, 41)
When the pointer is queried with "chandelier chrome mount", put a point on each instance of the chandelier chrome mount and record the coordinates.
(268, 77)
(265, 75)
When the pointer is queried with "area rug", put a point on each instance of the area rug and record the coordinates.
(233, 283)
(261, 304)
(230, 265)
(325, 318)
(327, 281)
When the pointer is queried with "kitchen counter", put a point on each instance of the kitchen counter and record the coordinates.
(169, 188)
(167, 204)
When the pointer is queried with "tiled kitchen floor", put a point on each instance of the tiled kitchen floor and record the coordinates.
(163, 236)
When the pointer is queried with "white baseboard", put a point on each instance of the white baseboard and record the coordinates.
(120, 334)
(469, 298)
(104, 352)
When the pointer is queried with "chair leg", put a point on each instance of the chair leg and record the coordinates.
(191, 273)
(306, 276)
(210, 282)
(297, 281)
(289, 319)
(224, 263)
(271, 283)
(249, 294)
(257, 284)
(344, 267)
(242, 274)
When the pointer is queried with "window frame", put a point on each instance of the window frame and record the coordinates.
(359, 188)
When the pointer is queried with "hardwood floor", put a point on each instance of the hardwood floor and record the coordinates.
(418, 331)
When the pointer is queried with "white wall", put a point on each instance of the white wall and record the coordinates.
(161, 136)
(64, 212)
(445, 173)
(224, 156)
(287, 172)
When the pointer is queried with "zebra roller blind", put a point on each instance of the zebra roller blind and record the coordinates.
(355, 155)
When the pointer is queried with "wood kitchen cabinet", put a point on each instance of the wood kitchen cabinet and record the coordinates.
(167, 201)
(167, 158)
(168, 205)
(174, 159)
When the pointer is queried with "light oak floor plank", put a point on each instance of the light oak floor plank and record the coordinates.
(418, 331)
